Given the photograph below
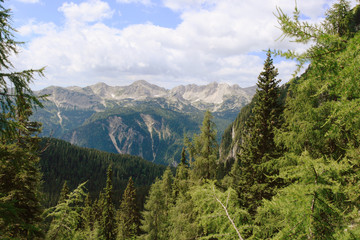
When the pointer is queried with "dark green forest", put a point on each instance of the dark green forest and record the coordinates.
(60, 161)
(295, 173)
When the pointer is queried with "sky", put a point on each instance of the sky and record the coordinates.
(165, 42)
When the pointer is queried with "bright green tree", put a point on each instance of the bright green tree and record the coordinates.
(161, 199)
(204, 149)
(66, 215)
(321, 136)
(316, 206)
(129, 216)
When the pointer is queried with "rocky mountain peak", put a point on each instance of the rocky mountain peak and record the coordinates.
(213, 96)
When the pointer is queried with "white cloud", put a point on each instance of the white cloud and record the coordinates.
(181, 5)
(88, 11)
(144, 2)
(29, 1)
(34, 27)
(217, 43)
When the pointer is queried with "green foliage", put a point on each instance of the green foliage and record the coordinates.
(317, 205)
(19, 176)
(16, 97)
(107, 221)
(339, 19)
(64, 193)
(212, 218)
(19, 192)
(251, 173)
(321, 113)
(66, 215)
(204, 150)
(155, 221)
(129, 216)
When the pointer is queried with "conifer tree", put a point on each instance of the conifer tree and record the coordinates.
(66, 215)
(183, 157)
(129, 217)
(204, 149)
(251, 174)
(155, 221)
(64, 193)
(320, 134)
(20, 179)
(108, 224)
(87, 214)
(19, 175)
(181, 183)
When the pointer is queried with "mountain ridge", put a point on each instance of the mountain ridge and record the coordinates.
(214, 96)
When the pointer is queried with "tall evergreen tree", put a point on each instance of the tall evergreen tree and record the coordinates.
(181, 182)
(251, 173)
(204, 149)
(20, 179)
(19, 175)
(108, 224)
(183, 157)
(129, 217)
(155, 221)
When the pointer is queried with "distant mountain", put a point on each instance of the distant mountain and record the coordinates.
(140, 119)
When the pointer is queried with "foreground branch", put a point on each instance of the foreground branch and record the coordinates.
(227, 214)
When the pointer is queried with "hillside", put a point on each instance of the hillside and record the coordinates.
(62, 162)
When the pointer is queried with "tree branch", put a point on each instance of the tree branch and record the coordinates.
(228, 215)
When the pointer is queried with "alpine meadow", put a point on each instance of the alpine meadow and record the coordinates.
(274, 161)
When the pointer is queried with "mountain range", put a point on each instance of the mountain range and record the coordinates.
(140, 119)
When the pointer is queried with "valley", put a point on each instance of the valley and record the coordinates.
(141, 119)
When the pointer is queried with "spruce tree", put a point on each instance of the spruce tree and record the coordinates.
(181, 182)
(183, 157)
(20, 179)
(129, 217)
(108, 224)
(251, 173)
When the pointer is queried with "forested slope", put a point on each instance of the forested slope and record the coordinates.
(61, 161)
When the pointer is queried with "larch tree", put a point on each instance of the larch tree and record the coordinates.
(320, 135)
(205, 150)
